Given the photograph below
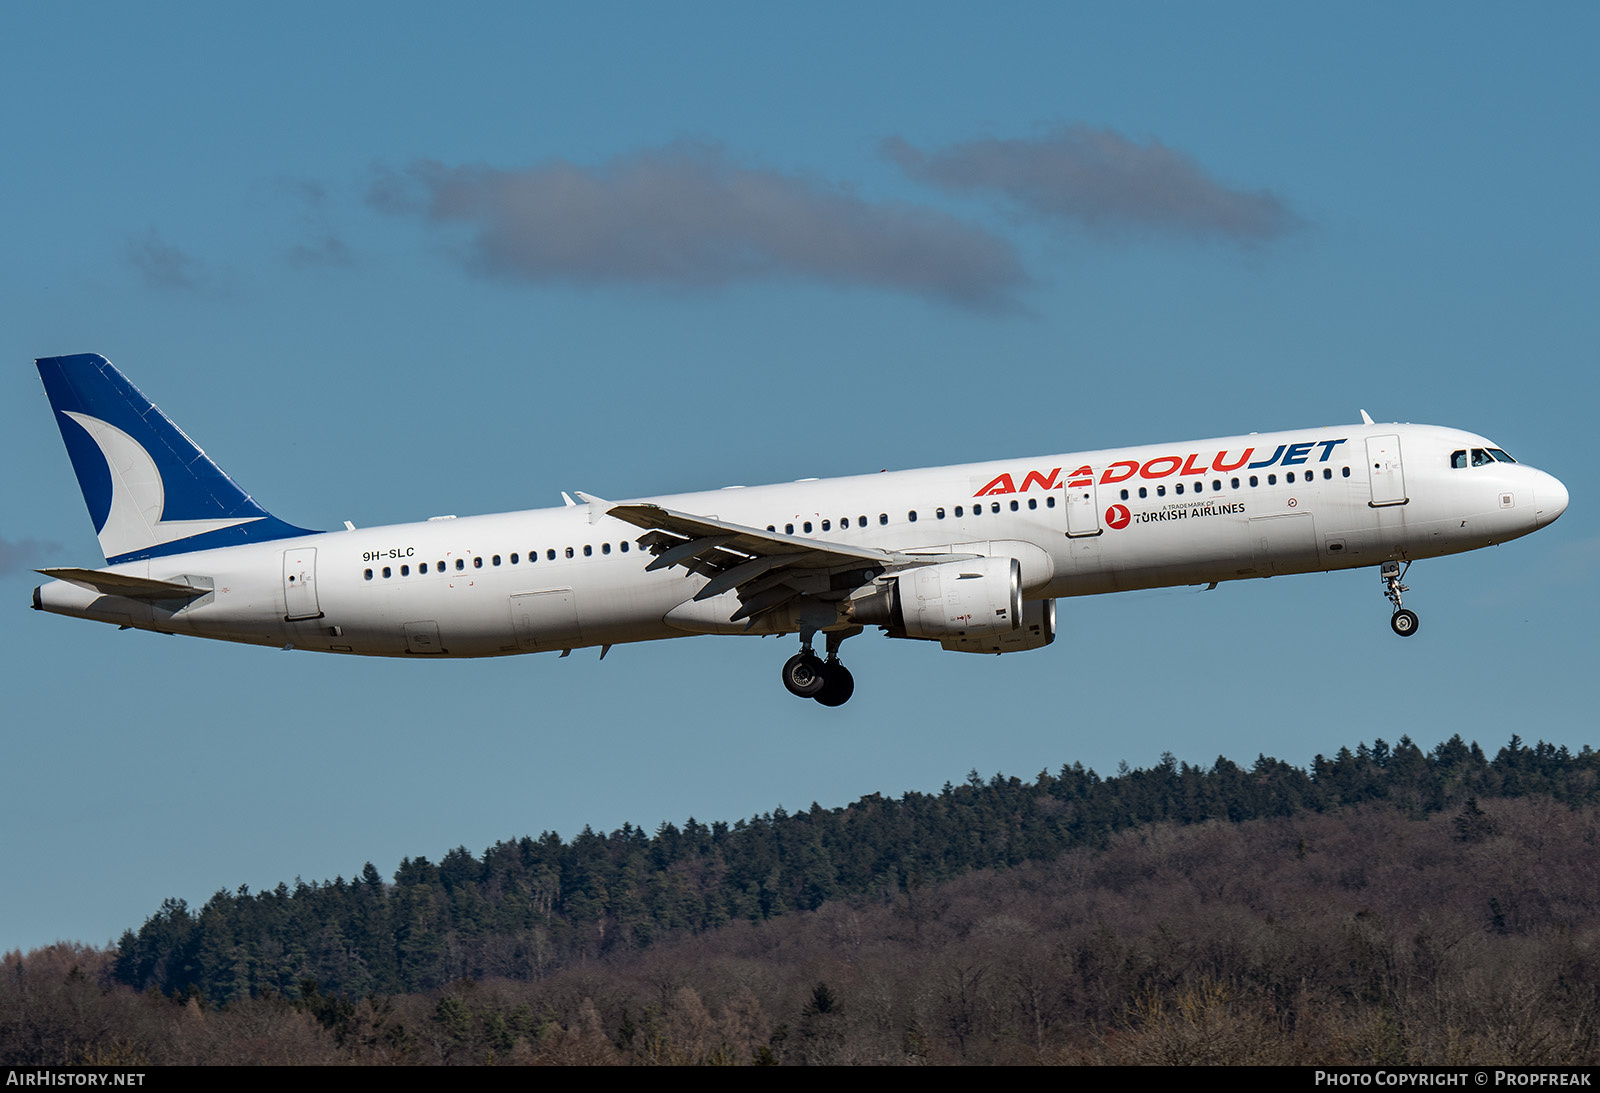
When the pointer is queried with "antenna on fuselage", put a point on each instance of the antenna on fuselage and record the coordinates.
(1366, 419)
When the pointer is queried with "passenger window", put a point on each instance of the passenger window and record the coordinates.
(1033, 502)
(605, 548)
(550, 555)
(495, 559)
(477, 563)
(1254, 481)
(994, 506)
(1327, 473)
(1233, 483)
(588, 551)
(461, 563)
(977, 510)
(369, 574)
(1050, 502)
(386, 573)
(569, 552)
(861, 521)
(1144, 491)
(1178, 488)
(958, 512)
(405, 571)
(1161, 491)
(788, 529)
(1290, 477)
(911, 517)
(1216, 484)
(513, 559)
(827, 525)
(807, 526)
(423, 568)
(624, 546)
(1272, 480)
(883, 518)
(772, 527)
(938, 514)
(1347, 472)
(1014, 506)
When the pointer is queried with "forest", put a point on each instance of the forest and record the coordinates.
(1384, 905)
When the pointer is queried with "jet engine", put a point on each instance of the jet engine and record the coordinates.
(1038, 629)
(950, 601)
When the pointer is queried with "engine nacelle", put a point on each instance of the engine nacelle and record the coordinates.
(1038, 629)
(979, 597)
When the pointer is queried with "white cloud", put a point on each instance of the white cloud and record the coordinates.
(1099, 178)
(685, 215)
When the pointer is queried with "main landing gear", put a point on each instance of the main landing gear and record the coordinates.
(827, 681)
(1402, 622)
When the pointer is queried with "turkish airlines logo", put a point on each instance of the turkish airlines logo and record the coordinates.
(1117, 517)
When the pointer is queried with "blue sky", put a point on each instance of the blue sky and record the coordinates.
(388, 263)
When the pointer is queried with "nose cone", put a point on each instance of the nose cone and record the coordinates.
(1549, 499)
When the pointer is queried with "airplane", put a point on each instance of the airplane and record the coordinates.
(972, 557)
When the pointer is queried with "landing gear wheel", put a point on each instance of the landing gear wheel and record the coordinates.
(803, 675)
(838, 684)
(1404, 623)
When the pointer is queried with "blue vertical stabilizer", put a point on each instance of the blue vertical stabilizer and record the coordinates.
(151, 491)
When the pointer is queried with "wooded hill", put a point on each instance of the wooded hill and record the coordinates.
(1386, 905)
(531, 905)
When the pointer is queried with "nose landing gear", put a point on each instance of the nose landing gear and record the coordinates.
(829, 682)
(1403, 621)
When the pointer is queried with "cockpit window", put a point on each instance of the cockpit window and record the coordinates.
(1481, 457)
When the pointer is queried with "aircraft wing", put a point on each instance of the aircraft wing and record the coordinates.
(765, 568)
(810, 553)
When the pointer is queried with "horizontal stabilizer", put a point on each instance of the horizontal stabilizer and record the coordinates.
(125, 585)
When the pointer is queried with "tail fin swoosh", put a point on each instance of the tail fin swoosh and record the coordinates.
(151, 491)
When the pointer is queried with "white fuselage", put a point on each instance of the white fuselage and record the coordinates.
(1078, 524)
